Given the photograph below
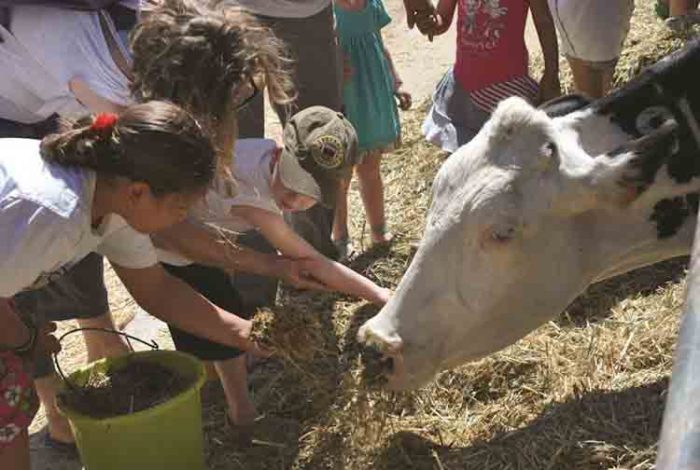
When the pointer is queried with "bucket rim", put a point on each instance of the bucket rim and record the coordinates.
(184, 395)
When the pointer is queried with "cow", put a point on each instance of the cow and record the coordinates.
(538, 206)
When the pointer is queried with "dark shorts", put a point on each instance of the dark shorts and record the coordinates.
(79, 293)
(255, 291)
(311, 42)
(215, 285)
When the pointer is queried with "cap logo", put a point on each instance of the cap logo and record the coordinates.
(327, 151)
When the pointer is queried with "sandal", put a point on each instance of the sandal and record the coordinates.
(345, 248)
(67, 448)
(381, 232)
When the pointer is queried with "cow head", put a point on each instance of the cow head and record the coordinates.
(533, 210)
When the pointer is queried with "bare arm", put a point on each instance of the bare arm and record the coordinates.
(168, 298)
(334, 275)
(445, 13)
(404, 97)
(550, 86)
(205, 247)
(13, 331)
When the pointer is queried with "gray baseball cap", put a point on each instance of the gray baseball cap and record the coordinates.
(320, 148)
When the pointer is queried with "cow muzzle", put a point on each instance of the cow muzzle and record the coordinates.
(382, 359)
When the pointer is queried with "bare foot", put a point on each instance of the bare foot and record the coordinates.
(243, 413)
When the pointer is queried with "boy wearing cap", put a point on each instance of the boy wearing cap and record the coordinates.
(319, 148)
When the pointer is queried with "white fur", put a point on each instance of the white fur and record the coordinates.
(469, 291)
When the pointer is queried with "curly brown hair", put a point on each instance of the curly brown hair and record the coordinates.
(201, 54)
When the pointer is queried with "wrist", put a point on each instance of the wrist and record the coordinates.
(19, 337)
(242, 331)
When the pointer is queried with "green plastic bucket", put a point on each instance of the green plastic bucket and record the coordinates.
(167, 436)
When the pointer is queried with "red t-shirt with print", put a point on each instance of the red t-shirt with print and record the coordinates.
(490, 42)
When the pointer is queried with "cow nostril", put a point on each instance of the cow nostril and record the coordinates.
(387, 365)
(374, 366)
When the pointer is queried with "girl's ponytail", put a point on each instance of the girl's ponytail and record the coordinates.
(86, 144)
(156, 142)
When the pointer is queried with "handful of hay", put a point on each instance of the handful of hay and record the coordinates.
(292, 332)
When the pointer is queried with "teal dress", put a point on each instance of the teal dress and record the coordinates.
(368, 96)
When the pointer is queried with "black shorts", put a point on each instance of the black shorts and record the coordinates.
(79, 293)
(215, 285)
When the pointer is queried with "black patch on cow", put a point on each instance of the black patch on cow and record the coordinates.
(660, 88)
(564, 105)
(650, 153)
(670, 215)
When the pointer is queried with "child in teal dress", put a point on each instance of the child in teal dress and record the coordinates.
(369, 93)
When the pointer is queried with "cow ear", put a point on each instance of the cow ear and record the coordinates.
(645, 156)
(622, 175)
(564, 105)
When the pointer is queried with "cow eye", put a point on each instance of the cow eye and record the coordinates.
(503, 234)
(550, 150)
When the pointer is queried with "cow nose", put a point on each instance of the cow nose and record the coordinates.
(380, 357)
(387, 343)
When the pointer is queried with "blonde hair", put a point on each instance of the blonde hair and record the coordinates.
(200, 55)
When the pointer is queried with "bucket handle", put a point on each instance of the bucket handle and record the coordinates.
(153, 345)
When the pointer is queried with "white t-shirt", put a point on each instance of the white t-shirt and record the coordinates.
(47, 48)
(283, 8)
(46, 221)
(253, 175)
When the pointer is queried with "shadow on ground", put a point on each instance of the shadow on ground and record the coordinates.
(600, 429)
(596, 303)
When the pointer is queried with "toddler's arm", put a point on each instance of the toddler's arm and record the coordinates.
(334, 275)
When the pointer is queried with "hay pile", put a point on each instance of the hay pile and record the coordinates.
(585, 391)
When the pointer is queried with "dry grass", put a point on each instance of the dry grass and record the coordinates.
(585, 391)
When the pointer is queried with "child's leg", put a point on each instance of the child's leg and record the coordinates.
(58, 427)
(100, 345)
(593, 79)
(340, 212)
(372, 192)
(234, 379)
(678, 7)
(15, 456)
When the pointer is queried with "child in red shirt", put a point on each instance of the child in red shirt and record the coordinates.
(492, 64)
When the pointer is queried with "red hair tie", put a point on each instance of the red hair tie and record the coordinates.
(104, 123)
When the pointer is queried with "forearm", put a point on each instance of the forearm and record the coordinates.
(204, 247)
(176, 303)
(343, 279)
(445, 12)
(13, 331)
(392, 69)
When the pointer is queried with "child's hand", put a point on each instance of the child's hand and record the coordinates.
(404, 98)
(428, 24)
(416, 9)
(46, 343)
(384, 296)
(550, 87)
